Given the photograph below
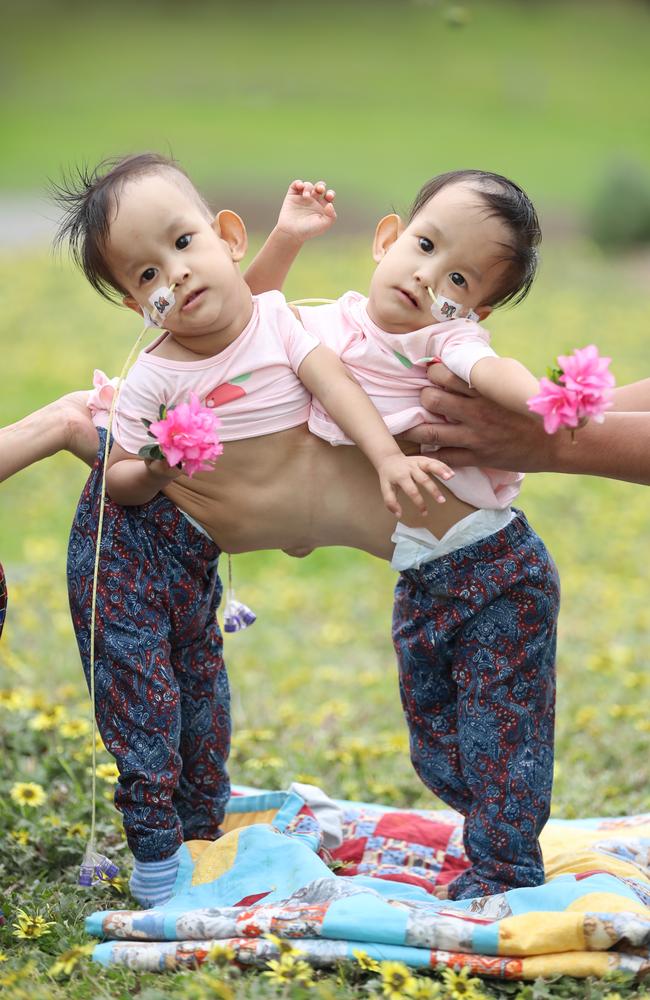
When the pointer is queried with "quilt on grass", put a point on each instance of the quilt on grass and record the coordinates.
(270, 874)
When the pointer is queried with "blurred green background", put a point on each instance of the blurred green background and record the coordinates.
(375, 98)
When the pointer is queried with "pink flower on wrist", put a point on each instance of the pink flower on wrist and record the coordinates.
(578, 390)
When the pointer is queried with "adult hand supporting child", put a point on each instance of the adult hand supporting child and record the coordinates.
(483, 433)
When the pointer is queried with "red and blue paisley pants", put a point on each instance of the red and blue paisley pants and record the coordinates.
(161, 690)
(475, 635)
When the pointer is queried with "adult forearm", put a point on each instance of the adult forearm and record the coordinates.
(31, 439)
(619, 448)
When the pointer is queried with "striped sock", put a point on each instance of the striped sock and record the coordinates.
(152, 882)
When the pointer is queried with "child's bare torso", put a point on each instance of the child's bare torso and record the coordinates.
(293, 491)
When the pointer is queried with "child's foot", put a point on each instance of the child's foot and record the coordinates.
(441, 892)
(152, 882)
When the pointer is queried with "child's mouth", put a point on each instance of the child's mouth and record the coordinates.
(407, 297)
(192, 300)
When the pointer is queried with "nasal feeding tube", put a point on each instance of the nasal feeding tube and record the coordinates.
(444, 309)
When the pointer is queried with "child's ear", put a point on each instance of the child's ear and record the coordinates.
(387, 231)
(130, 303)
(230, 228)
(483, 312)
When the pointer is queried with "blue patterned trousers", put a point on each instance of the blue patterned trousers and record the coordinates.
(475, 636)
(162, 697)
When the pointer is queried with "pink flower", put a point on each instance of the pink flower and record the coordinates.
(188, 436)
(556, 405)
(100, 397)
(586, 373)
(581, 389)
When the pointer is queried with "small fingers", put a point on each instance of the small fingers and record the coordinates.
(413, 493)
(434, 467)
(390, 500)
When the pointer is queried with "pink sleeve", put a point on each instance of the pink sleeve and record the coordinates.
(297, 341)
(461, 352)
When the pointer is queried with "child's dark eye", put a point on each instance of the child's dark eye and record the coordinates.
(425, 244)
(457, 279)
(183, 242)
(148, 275)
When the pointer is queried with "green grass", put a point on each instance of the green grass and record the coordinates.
(374, 96)
(314, 684)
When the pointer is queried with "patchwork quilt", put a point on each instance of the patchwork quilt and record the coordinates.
(371, 889)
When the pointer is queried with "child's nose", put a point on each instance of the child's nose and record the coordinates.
(179, 273)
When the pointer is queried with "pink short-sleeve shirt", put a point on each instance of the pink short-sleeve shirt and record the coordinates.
(391, 368)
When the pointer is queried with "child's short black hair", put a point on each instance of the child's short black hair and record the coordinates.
(508, 202)
(89, 199)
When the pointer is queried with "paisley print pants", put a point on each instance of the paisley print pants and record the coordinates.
(161, 688)
(475, 635)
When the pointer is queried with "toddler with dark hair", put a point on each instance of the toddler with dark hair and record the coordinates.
(476, 607)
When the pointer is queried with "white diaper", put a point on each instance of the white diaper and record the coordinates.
(415, 546)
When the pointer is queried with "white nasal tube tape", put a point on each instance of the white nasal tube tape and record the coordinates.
(444, 309)
(163, 301)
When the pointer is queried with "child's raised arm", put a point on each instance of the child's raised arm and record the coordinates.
(327, 378)
(307, 211)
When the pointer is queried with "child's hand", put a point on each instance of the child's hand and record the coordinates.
(160, 470)
(307, 210)
(411, 473)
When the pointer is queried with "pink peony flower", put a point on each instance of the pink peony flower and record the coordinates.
(580, 390)
(187, 435)
(556, 405)
(586, 373)
(100, 397)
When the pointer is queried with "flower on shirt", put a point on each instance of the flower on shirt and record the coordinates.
(579, 389)
(186, 435)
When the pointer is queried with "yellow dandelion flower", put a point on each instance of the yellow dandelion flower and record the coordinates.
(461, 985)
(12, 700)
(117, 883)
(53, 820)
(221, 955)
(69, 960)
(30, 927)
(365, 962)
(289, 970)
(74, 728)
(78, 830)
(20, 836)
(35, 701)
(3, 957)
(108, 772)
(27, 793)
(47, 719)
(426, 989)
(396, 980)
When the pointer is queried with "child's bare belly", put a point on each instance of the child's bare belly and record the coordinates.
(294, 491)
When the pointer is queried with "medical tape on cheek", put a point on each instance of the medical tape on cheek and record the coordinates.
(163, 301)
(444, 309)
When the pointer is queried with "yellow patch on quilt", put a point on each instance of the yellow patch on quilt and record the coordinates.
(540, 933)
(570, 963)
(237, 820)
(607, 902)
(574, 861)
(197, 847)
(217, 859)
